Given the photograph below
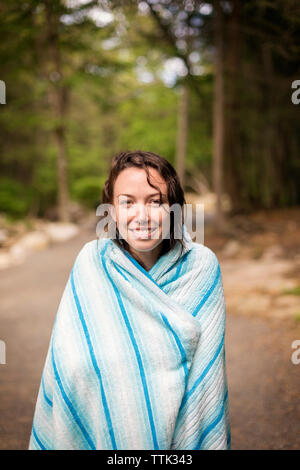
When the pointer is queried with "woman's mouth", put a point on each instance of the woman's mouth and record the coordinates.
(142, 233)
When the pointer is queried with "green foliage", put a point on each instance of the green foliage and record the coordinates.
(15, 198)
(150, 121)
(297, 316)
(87, 190)
(294, 291)
(110, 108)
(44, 181)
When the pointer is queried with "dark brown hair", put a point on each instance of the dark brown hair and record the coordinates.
(141, 159)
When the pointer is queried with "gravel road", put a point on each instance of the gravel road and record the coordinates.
(264, 385)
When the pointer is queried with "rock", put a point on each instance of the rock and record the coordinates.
(19, 228)
(3, 236)
(34, 241)
(231, 248)
(18, 249)
(17, 253)
(28, 243)
(61, 231)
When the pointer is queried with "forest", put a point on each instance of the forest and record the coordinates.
(207, 85)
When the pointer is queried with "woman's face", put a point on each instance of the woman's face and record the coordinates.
(141, 218)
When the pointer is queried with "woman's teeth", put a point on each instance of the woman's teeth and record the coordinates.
(142, 232)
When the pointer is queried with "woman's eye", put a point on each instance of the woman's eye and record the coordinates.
(156, 202)
(125, 203)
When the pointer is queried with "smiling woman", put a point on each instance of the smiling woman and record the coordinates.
(142, 186)
(137, 354)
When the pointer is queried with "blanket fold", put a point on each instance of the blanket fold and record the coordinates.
(136, 358)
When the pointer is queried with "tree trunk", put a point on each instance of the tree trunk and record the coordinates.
(232, 152)
(270, 180)
(60, 137)
(182, 133)
(218, 115)
(58, 98)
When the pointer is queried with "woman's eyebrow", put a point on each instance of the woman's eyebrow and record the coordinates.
(149, 195)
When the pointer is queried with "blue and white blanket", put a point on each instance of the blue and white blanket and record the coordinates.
(136, 358)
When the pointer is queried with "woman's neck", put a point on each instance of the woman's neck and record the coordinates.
(146, 258)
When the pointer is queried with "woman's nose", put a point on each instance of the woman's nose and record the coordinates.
(142, 212)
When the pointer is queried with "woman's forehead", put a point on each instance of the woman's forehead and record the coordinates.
(133, 180)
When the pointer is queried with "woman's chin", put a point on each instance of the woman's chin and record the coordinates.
(143, 244)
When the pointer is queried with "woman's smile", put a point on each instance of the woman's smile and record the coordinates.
(143, 233)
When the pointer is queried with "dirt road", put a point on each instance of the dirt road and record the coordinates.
(264, 384)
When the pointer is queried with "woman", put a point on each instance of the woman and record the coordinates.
(137, 358)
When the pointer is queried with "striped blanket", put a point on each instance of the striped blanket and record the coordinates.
(136, 358)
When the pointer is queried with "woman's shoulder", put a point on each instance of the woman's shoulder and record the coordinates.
(88, 250)
(96, 244)
(205, 254)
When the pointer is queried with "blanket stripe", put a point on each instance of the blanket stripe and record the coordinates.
(98, 373)
(136, 358)
(137, 353)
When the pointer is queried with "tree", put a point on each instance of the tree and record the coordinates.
(182, 132)
(218, 114)
(58, 99)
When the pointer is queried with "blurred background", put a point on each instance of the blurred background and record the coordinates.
(214, 87)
